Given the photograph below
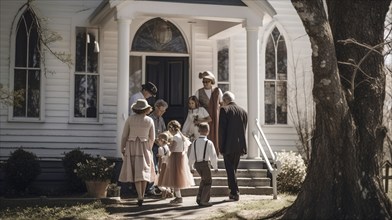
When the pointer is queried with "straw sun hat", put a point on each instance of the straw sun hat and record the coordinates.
(140, 104)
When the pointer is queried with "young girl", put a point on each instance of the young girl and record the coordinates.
(196, 115)
(163, 140)
(177, 174)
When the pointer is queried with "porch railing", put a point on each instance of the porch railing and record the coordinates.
(274, 167)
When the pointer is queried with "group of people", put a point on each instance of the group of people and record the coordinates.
(154, 154)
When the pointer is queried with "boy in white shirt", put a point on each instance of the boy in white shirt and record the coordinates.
(202, 155)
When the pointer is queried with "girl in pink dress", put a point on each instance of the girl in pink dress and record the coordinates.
(178, 175)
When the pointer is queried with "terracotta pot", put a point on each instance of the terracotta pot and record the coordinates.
(97, 189)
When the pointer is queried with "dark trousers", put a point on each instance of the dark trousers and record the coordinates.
(150, 186)
(231, 164)
(203, 168)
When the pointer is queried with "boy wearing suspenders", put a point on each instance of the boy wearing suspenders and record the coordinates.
(202, 155)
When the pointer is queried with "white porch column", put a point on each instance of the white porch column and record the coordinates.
(123, 28)
(252, 39)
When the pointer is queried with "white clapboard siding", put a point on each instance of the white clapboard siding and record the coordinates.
(56, 134)
(202, 53)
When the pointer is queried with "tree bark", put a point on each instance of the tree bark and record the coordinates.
(343, 180)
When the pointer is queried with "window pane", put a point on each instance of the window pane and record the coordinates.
(224, 87)
(269, 102)
(275, 33)
(33, 94)
(270, 59)
(159, 35)
(20, 84)
(281, 99)
(92, 55)
(223, 60)
(92, 90)
(21, 45)
(135, 74)
(80, 54)
(34, 56)
(282, 59)
(80, 96)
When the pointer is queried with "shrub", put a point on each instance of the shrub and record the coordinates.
(21, 169)
(95, 169)
(70, 161)
(292, 173)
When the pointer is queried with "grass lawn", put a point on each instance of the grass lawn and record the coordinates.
(94, 209)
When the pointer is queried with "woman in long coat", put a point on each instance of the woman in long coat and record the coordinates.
(210, 98)
(136, 146)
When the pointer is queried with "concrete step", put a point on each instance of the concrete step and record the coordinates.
(240, 173)
(251, 175)
(245, 164)
(241, 181)
(224, 190)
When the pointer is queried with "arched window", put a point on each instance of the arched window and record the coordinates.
(159, 35)
(27, 68)
(275, 84)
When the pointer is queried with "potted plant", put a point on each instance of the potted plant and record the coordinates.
(96, 173)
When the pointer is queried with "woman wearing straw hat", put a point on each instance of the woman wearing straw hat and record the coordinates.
(211, 99)
(136, 146)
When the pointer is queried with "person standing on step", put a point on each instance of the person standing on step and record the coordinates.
(148, 90)
(196, 115)
(178, 175)
(232, 138)
(210, 98)
(136, 147)
(160, 107)
(202, 155)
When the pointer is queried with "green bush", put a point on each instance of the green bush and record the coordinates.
(292, 173)
(70, 161)
(21, 169)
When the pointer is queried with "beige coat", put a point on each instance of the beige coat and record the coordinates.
(137, 141)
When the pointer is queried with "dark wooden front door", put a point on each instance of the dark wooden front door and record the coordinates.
(171, 76)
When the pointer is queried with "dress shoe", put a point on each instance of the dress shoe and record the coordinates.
(235, 197)
(205, 204)
(140, 202)
(177, 200)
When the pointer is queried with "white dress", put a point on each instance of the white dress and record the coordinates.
(189, 128)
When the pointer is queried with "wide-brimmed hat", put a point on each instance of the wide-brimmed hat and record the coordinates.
(207, 75)
(151, 88)
(140, 104)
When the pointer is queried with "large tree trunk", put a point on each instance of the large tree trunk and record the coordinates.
(343, 180)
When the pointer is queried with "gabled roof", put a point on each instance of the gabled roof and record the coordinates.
(108, 8)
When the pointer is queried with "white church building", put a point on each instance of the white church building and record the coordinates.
(257, 49)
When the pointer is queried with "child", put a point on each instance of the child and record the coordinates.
(177, 174)
(196, 115)
(202, 155)
(163, 153)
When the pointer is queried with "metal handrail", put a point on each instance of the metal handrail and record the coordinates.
(265, 140)
(274, 170)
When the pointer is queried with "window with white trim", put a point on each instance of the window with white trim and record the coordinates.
(275, 84)
(27, 67)
(86, 73)
(223, 64)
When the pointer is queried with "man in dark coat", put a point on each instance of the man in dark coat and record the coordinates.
(232, 139)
